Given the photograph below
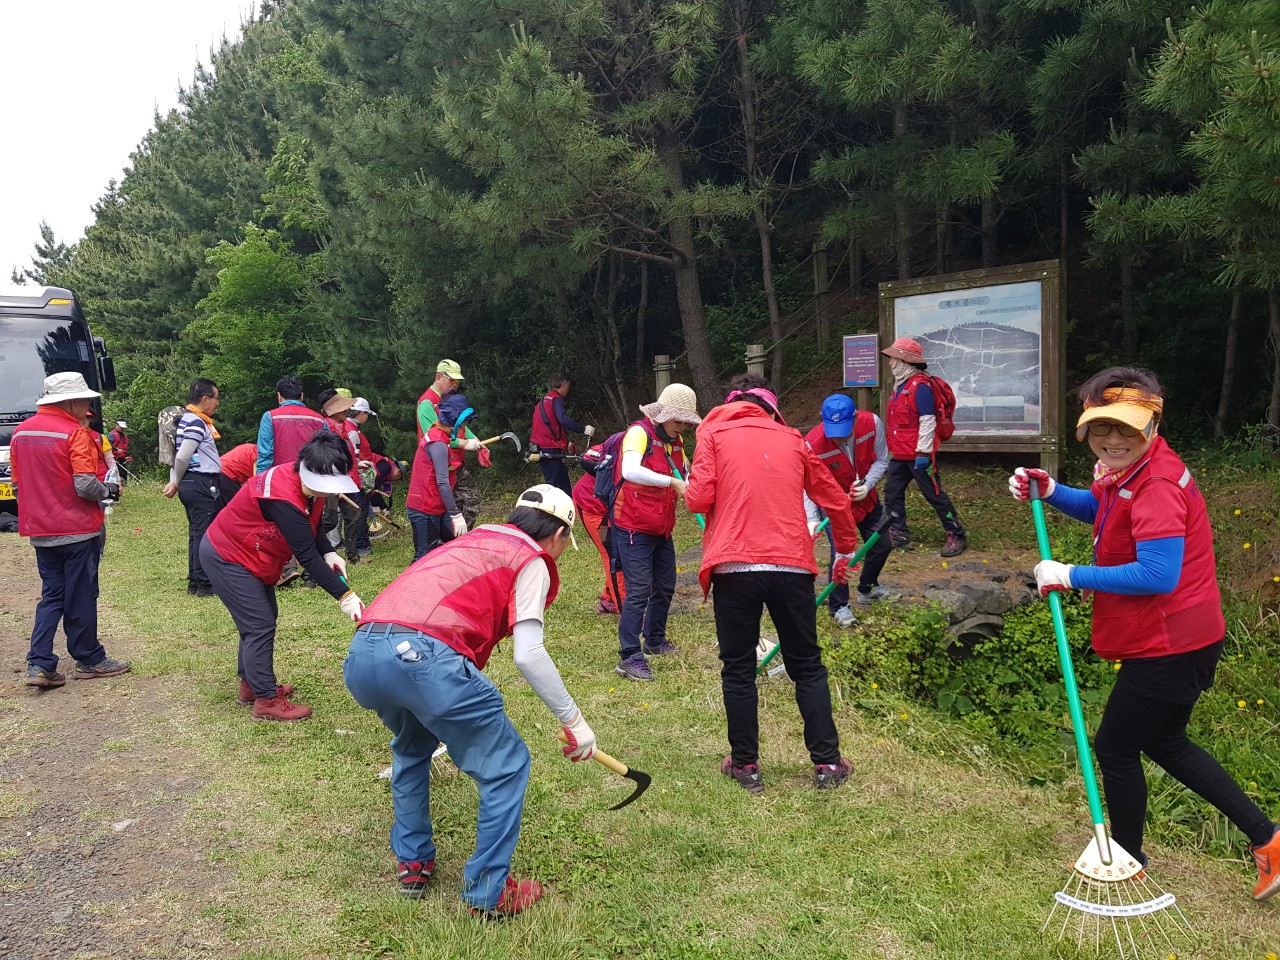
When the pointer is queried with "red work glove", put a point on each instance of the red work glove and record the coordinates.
(840, 572)
(485, 457)
(1020, 483)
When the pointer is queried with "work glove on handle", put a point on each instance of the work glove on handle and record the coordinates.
(351, 605)
(859, 491)
(485, 457)
(335, 563)
(1052, 575)
(1020, 483)
(580, 739)
(472, 444)
(459, 525)
(840, 572)
(813, 528)
(588, 431)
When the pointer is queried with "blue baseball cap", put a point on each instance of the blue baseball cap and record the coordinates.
(837, 415)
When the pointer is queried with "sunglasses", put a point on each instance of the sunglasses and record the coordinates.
(1103, 428)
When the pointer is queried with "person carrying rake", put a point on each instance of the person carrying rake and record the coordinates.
(1156, 608)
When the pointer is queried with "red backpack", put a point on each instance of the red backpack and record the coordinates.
(944, 400)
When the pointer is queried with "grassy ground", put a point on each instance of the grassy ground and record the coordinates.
(932, 850)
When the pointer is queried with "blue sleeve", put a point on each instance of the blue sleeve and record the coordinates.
(924, 400)
(1157, 570)
(566, 421)
(1077, 504)
(266, 443)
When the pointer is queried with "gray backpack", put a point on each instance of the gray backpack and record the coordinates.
(167, 421)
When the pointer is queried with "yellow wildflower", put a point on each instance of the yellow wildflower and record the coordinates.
(1241, 704)
(1238, 511)
(1248, 545)
(875, 686)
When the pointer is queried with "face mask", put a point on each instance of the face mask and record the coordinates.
(900, 368)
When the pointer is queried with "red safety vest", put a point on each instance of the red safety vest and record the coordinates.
(119, 441)
(546, 437)
(423, 494)
(49, 505)
(864, 456)
(642, 508)
(427, 394)
(903, 420)
(349, 430)
(292, 426)
(463, 592)
(1155, 625)
(242, 535)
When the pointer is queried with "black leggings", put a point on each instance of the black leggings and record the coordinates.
(1133, 725)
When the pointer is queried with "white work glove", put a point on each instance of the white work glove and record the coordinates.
(588, 431)
(335, 563)
(1020, 483)
(459, 525)
(352, 605)
(472, 444)
(580, 739)
(1052, 575)
(763, 646)
(813, 528)
(859, 491)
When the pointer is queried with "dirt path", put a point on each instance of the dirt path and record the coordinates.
(96, 856)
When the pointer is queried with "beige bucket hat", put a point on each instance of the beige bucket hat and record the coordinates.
(676, 402)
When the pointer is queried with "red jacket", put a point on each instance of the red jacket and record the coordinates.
(238, 463)
(242, 535)
(642, 508)
(41, 451)
(749, 482)
(424, 494)
(902, 420)
(1127, 627)
(547, 432)
(292, 425)
(864, 456)
(463, 593)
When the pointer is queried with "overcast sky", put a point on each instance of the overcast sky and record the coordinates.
(81, 81)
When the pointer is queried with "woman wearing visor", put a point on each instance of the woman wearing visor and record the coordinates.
(274, 516)
(1156, 608)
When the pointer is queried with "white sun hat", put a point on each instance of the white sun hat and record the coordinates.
(66, 386)
(552, 500)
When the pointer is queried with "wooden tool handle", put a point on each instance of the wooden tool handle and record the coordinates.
(485, 443)
(617, 766)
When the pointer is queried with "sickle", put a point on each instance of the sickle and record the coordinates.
(639, 777)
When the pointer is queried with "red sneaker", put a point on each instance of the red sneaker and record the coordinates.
(1267, 857)
(245, 697)
(278, 708)
(414, 877)
(516, 898)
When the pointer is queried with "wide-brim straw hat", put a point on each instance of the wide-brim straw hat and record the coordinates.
(676, 402)
(66, 386)
(904, 348)
(337, 404)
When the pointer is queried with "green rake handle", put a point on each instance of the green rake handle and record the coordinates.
(676, 471)
(1069, 680)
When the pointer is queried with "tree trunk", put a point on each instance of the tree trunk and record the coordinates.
(941, 238)
(642, 307)
(693, 318)
(901, 211)
(990, 231)
(1273, 408)
(1128, 320)
(1064, 214)
(1228, 365)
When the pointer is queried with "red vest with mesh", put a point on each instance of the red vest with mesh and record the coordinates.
(427, 394)
(242, 535)
(546, 437)
(1127, 627)
(902, 420)
(864, 456)
(463, 592)
(292, 426)
(424, 494)
(119, 443)
(349, 430)
(49, 505)
(642, 508)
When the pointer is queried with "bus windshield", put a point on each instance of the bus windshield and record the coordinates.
(32, 348)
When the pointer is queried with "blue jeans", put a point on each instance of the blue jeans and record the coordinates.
(69, 593)
(429, 531)
(649, 571)
(424, 694)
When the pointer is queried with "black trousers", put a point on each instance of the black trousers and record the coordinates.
(740, 600)
(339, 512)
(1134, 724)
(556, 472)
(252, 605)
(203, 495)
(900, 474)
(872, 563)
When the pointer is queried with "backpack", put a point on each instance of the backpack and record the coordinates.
(608, 477)
(167, 422)
(944, 399)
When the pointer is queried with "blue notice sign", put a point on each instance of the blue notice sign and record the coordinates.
(862, 360)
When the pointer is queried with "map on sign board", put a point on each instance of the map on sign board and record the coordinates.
(985, 342)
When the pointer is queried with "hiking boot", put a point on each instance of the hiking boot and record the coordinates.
(414, 877)
(747, 775)
(827, 776)
(245, 697)
(38, 676)
(288, 576)
(659, 648)
(957, 543)
(203, 591)
(844, 617)
(516, 898)
(1267, 857)
(876, 593)
(635, 667)
(279, 708)
(107, 668)
(901, 540)
(606, 607)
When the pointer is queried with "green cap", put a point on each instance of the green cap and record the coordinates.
(450, 369)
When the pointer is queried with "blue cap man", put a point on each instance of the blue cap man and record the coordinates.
(837, 416)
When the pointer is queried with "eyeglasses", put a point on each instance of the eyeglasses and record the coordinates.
(1103, 428)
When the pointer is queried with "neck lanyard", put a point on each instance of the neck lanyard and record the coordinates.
(1102, 524)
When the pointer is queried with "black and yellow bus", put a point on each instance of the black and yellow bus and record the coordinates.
(42, 332)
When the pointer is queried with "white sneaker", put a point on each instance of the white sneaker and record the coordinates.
(844, 617)
(876, 593)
